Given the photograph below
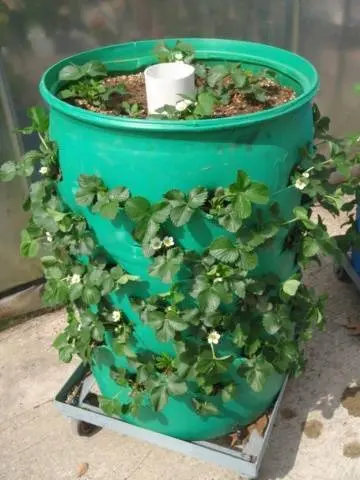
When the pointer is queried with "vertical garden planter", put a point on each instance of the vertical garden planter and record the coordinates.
(151, 157)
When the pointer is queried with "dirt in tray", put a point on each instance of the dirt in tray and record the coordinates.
(239, 102)
(239, 438)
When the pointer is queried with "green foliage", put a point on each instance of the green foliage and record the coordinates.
(183, 206)
(180, 52)
(110, 406)
(206, 409)
(239, 79)
(256, 372)
(86, 82)
(93, 192)
(72, 73)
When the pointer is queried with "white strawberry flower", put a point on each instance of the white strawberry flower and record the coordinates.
(116, 315)
(49, 237)
(156, 243)
(306, 174)
(300, 184)
(179, 56)
(168, 242)
(214, 337)
(74, 279)
(218, 280)
(44, 170)
(182, 105)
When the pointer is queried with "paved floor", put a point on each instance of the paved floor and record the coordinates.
(36, 442)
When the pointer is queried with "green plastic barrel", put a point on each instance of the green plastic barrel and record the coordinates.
(151, 157)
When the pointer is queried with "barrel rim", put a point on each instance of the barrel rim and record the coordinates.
(288, 63)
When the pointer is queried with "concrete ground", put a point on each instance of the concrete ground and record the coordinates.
(317, 435)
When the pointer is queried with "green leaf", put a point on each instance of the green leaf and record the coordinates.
(155, 319)
(310, 247)
(39, 118)
(258, 193)
(55, 272)
(223, 292)
(175, 387)
(111, 407)
(205, 408)
(162, 52)
(209, 300)
(32, 156)
(252, 347)
(197, 197)
(181, 215)
(260, 94)
(28, 246)
(84, 197)
(175, 197)
(55, 293)
(48, 261)
(110, 210)
(160, 212)
(230, 221)
(127, 278)
(239, 336)
(301, 213)
(67, 93)
(177, 323)
(159, 397)
(98, 332)
(290, 287)
(90, 182)
(239, 77)
(223, 249)
(205, 104)
(86, 245)
(8, 171)
(258, 374)
(95, 277)
(239, 287)
(271, 322)
(242, 182)
(145, 231)
(66, 353)
(248, 260)
(60, 341)
(166, 332)
(217, 73)
(119, 194)
(91, 295)
(94, 69)
(228, 393)
(108, 286)
(116, 272)
(137, 208)
(75, 291)
(43, 220)
(167, 266)
(242, 205)
(70, 73)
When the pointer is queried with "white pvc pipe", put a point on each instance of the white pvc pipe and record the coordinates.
(166, 83)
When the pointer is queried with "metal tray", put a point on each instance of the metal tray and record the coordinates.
(88, 417)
